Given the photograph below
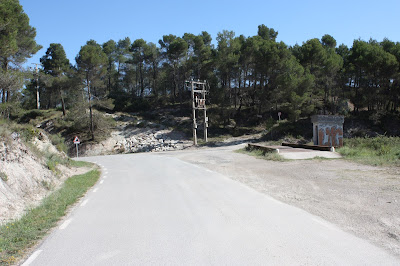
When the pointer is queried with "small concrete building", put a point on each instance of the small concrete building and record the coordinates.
(328, 130)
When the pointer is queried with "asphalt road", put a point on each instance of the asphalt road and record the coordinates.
(154, 209)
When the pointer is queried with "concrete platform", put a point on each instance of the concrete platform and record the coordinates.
(302, 154)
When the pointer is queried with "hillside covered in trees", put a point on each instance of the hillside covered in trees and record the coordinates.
(251, 78)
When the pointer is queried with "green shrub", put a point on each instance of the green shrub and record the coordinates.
(52, 165)
(52, 160)
(284, 128)
(80, 123)
(380, 150)
(4, 132)
(58, 141)
(3, 177)
(28, 132)
(30, 115)
(47, 185)
(270, 123)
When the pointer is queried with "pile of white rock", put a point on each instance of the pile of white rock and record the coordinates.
(148, 142)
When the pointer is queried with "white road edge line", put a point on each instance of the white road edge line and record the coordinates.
(95, 190)
(65, 224)
(101, 182)
(32, 258)
(84, 202)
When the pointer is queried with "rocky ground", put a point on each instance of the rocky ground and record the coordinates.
(135, 135)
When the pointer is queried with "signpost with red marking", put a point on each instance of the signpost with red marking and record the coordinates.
(76, 142)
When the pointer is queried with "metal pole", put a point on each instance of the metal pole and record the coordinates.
(205, 115)
(194, 115)
(77, 155)
(37, 86)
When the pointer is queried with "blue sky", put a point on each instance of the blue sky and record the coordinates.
(72, 23)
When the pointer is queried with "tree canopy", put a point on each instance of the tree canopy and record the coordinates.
(17, 43)
(249, 76)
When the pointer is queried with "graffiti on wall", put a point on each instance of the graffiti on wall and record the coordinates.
(330, 136)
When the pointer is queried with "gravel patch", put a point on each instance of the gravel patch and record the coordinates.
(360, 199)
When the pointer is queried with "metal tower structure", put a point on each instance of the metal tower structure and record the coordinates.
(199, 91)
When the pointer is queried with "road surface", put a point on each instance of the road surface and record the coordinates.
(155, 209)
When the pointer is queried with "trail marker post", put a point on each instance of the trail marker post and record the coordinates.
(76, 142)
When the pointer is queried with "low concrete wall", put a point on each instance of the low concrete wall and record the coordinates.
(309, 147)
(265, 149)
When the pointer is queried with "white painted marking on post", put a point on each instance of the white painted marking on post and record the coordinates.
(32, 258)
(95, 190)
(65, 224)
(84, 202)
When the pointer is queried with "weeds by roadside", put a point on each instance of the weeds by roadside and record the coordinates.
(59, 142)
(74, 163)
(17, 236)
(378, 151)
(3, 176)
(262, 155)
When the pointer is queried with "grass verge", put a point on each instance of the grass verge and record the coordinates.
(16, 237)
(271, 156)
(378, 151)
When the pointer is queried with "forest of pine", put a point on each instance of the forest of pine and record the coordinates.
(251, 78)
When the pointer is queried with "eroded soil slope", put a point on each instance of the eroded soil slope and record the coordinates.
(25, 176)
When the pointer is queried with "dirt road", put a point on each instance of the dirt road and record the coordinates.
(360, 199)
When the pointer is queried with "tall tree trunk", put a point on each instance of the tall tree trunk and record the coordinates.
(230, 90)
(62, 102)
(90, 110)
(154, 80)
(141, 80)
(175, 83)
(109, 77)
(5, 92)
(239, 93)
(134, 92)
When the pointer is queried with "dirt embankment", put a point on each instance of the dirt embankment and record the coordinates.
(25, 177)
